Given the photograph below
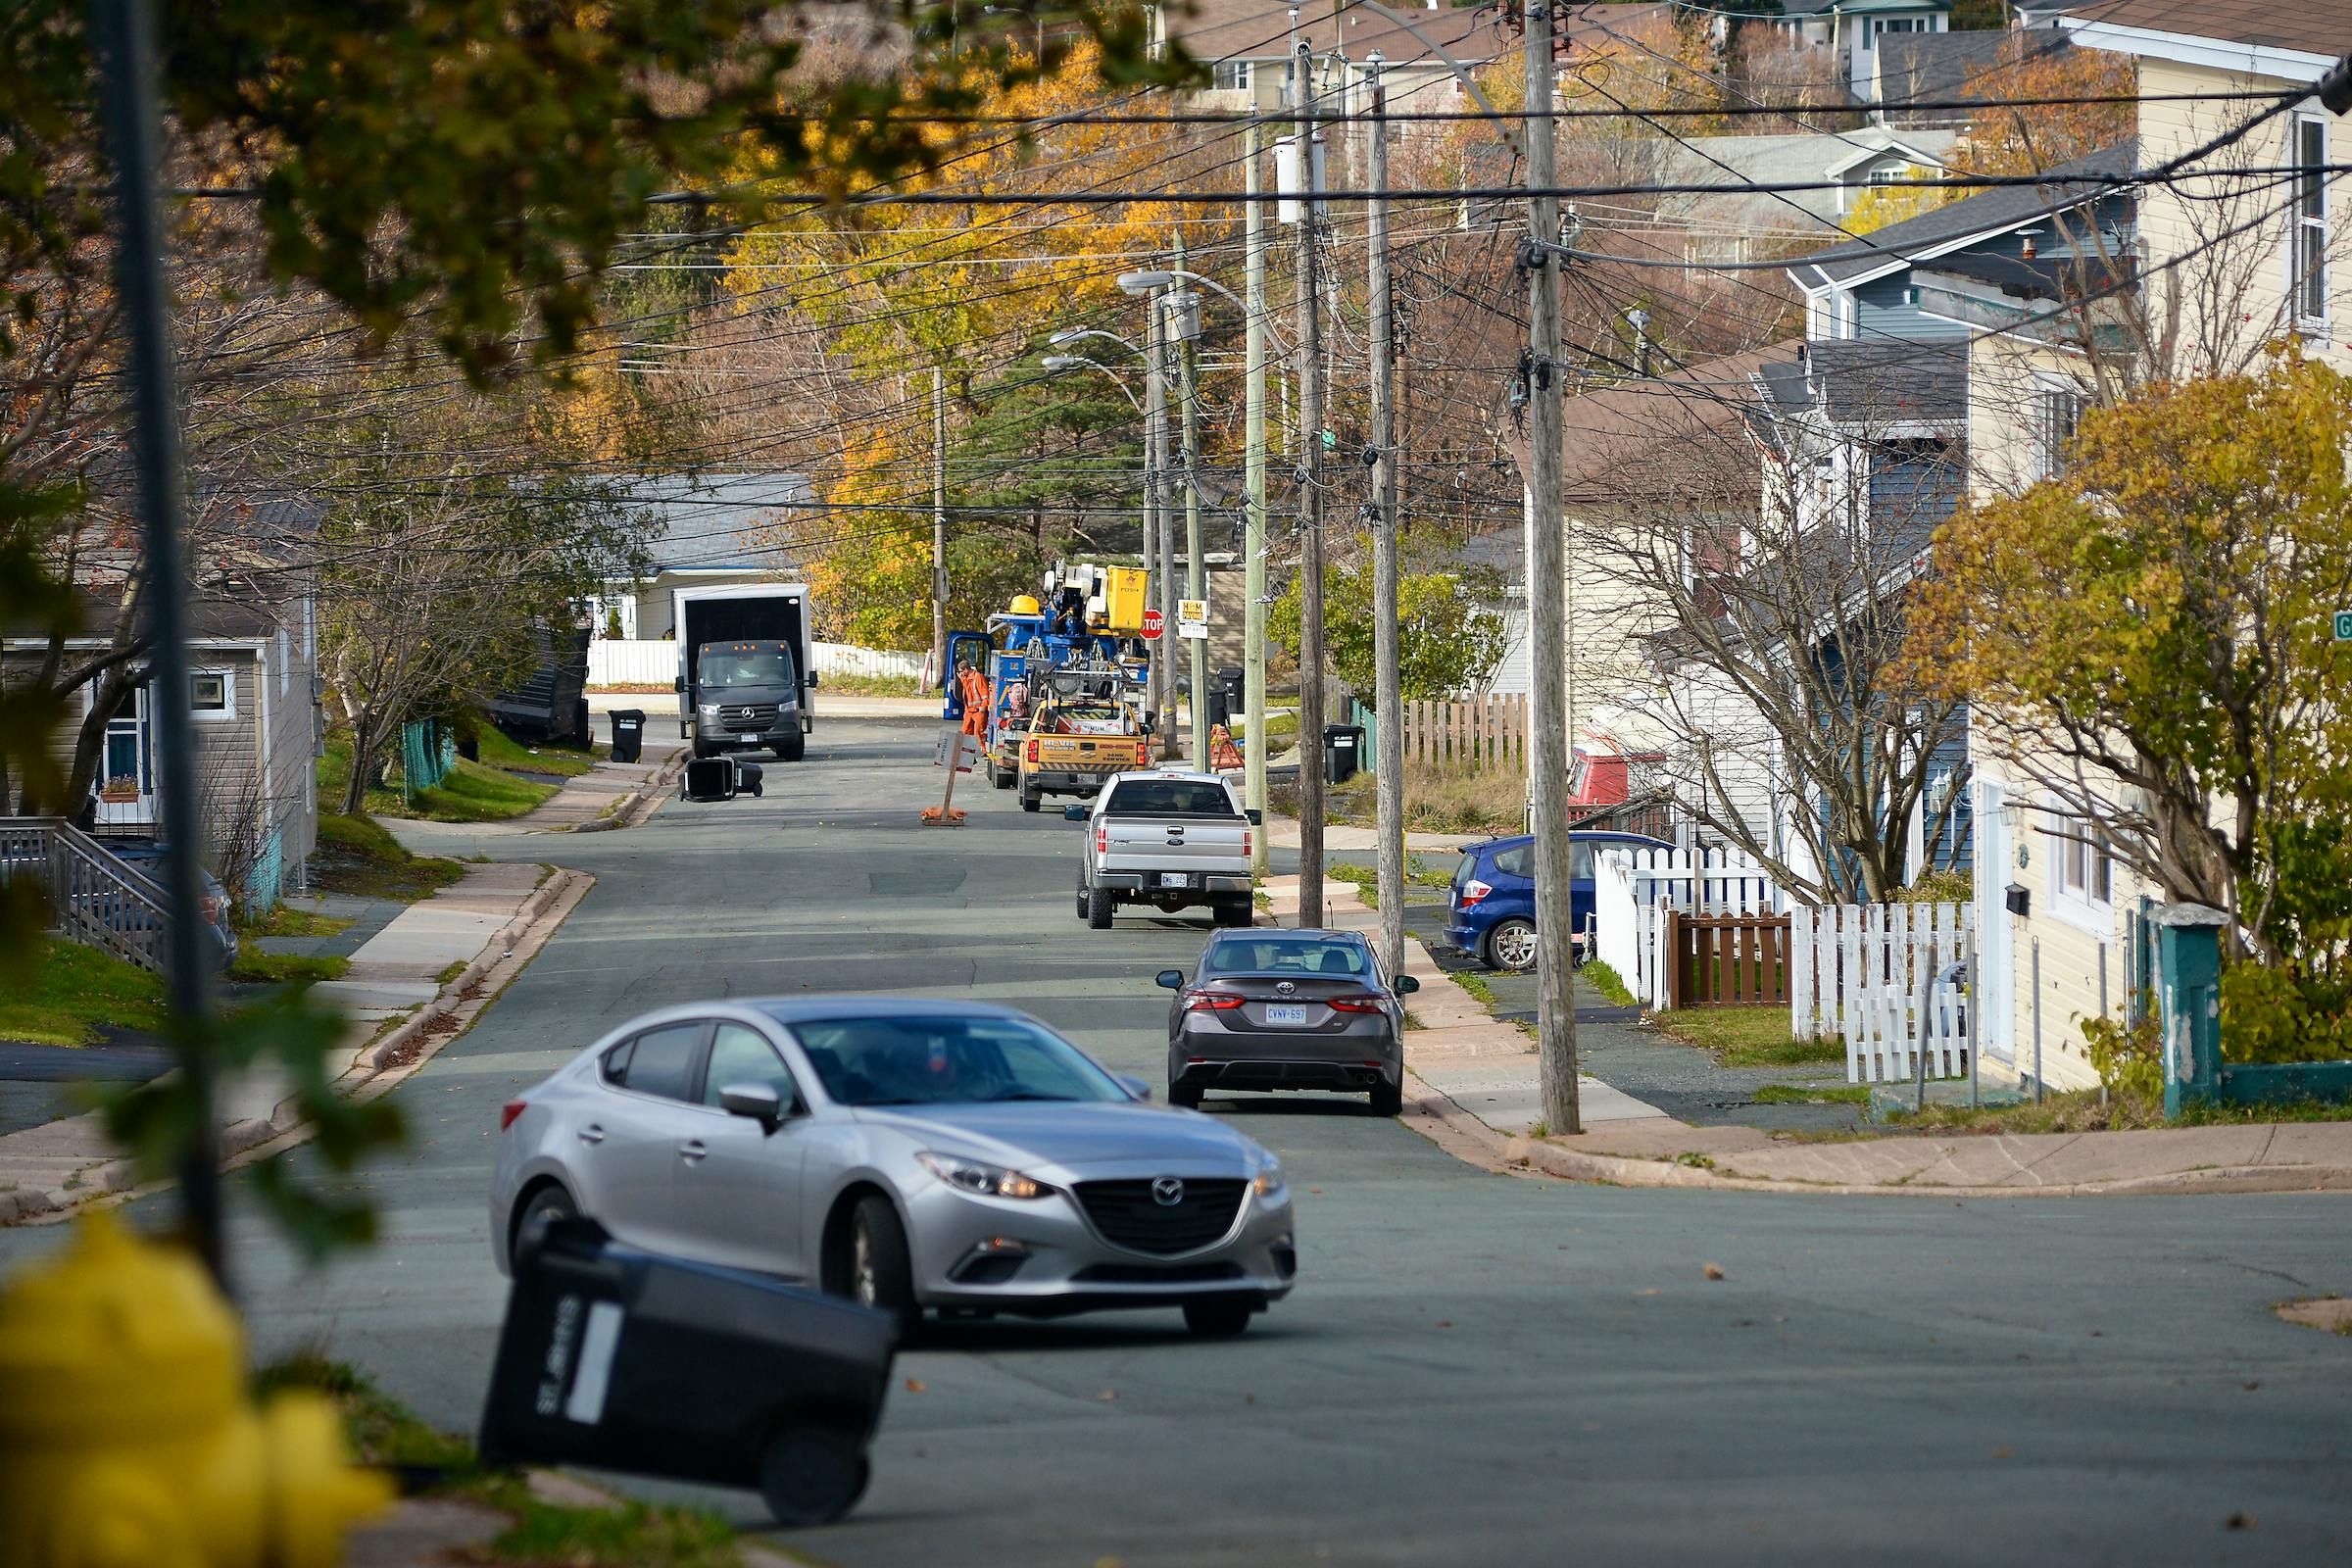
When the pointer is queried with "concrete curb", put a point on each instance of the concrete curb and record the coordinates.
(632, 809)
(512, 947)
(1618, 1170)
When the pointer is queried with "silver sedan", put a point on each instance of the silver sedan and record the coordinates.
(911, 1153)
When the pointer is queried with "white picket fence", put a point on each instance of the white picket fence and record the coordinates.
(1858, 970)
(613, 662)
(1632, 889)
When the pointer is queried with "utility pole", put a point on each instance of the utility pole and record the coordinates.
(1311, 503)
(1196, 569)
(1254, 477)
(125, 30)
(1548, 608)
(1388, 692)
(938, 522)
(1163, 543)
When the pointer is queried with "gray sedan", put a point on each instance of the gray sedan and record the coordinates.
(911, 1153)
(1288, 1010)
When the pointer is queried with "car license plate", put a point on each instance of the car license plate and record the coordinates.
(1279, 1015)
(1174, 879)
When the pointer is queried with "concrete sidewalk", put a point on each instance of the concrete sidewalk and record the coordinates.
(393, 993)
(1484, 1079)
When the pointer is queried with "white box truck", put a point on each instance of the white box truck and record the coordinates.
(747, 673)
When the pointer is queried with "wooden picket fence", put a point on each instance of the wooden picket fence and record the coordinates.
(1633, 891)
(1480, 733)
(1874, 973)
(1726, 961)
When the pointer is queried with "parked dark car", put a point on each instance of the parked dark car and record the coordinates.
(145, 855)
(1490, 914)
(1267, 1009)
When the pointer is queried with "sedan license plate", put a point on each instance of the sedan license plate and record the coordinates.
(1282, 1015)
(1175, 879)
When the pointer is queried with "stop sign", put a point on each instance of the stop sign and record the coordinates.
(1153, 621)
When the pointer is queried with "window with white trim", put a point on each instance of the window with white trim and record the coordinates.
(2308, 284)
(1231, 75)
(2057, 411)
(211, 694)
(2082, 875)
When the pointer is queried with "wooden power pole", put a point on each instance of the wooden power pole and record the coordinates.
(1547, 617)
(1388, 692)
(1253, 478)
(1310, 500)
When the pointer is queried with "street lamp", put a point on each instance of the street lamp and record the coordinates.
(1058, 363)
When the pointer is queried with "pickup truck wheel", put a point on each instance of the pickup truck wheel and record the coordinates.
(1099, 908)
(1031, 802)
(1511, 945)
(1081, 900)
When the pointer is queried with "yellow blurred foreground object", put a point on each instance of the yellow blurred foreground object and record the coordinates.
(127, 1438)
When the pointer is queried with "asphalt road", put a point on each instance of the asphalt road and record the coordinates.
(1474, 1368)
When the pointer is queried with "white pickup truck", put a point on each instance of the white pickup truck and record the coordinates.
(1168, 839)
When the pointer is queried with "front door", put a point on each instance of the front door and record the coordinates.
(1996, 1009)
(125, 782)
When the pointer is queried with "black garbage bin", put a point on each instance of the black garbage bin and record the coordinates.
(624, 1360)
(628, 734)
(1343, 752)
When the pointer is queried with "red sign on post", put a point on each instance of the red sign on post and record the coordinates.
(1153, 621)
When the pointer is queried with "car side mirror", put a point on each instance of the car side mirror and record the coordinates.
(1257, 819)
(1406, 985)
(1073, 813)
(809, 679)
(1169, 979)
(758, 1103)
(1140, 1087)
(1147, 723)
(677, 683)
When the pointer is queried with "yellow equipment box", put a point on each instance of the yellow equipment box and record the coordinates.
(1125, 598)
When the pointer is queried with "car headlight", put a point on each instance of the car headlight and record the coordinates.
(1267, 1183)
(708, 710)
(981, 1178)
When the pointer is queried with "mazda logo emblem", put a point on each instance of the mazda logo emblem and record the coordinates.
(1167, 1191)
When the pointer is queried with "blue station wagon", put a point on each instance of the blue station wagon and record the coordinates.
(1490, 914)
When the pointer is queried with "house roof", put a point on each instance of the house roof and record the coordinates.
(1259, 29)
(1992, 211)
(2044, 277)
(2308, 27)
(1935, 67)
(1609, 432)
(713, 521)
(1851, 8)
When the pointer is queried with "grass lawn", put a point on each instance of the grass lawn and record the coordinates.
(2084, 1111)
(1747, 1037)
(871, 686)
(1607, 981)
(1493, 801)
(1812, 1094)
(292, 920)
(70, 990)
(501, 750)
(284, 968)
(471, 793)
(626, 1535)
(355, 855)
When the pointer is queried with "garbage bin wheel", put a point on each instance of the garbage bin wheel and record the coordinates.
(812, 1476)
(873, 1269)
(1216, 1321)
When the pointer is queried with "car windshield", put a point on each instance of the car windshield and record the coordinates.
(746, 666)
(948, 1061)
(1170, 797)
(1271, 954)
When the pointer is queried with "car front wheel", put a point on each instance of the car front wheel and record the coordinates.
(872, 1269)
(1511, 945)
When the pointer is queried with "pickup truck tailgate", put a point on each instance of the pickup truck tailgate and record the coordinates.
(1174, 843)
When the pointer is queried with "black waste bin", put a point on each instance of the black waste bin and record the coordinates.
(628, 734)
(1343, 752)
(623, 1360)
(1220, 706)
(708, 778)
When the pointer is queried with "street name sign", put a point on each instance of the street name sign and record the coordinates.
(2343, 625)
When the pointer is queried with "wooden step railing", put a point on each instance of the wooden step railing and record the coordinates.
(92, 898)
